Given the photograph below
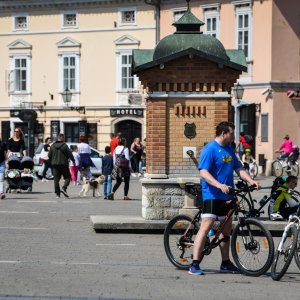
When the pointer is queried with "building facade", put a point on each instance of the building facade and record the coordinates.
(69, 64)
(268, 31)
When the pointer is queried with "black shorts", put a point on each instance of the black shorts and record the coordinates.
(215, 209)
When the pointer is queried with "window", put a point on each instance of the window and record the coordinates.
(211, 26)
(243, 33)
(211, 19)
(127, 80)
(19, 74)
(127, 16)
(69, 73)
(70, 20)
(20, 22)
(177, 14)
(244, 29)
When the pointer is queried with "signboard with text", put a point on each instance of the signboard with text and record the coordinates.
(121, 112)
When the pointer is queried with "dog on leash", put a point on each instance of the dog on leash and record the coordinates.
(91, 184)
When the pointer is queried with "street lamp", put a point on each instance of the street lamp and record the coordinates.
(238, 92)
(67, 96)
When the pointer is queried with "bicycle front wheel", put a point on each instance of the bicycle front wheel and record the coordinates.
(252, 247)
(179, 238)
(284, 253)
(277, 168)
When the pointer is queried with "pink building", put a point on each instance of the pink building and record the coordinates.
(268, 31)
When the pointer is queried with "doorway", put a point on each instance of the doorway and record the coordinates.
(130, 130)
(71, 132)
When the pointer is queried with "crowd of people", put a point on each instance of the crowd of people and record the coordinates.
(74, 163)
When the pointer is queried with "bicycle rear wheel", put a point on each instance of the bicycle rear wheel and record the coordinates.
(294, 169)
(252, 247)
(245, 204)
(277, 168)
(255, 173)
(297, 253)
(284, 255)
(178, 241)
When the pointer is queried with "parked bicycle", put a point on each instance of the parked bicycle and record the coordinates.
(280, 165)
(252, 245)
(288, 247)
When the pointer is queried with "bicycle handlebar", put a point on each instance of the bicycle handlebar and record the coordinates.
(246, 188)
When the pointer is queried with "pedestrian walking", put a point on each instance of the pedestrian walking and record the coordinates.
(16, 144)
(59, 155)
(45, 157)
(107, 167)
(217, 163)
(3, 158)
(74, 167)
(122, 169)
(85, 162)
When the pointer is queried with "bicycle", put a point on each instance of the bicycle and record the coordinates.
(251, 242)
(291, 167)
(288, 247)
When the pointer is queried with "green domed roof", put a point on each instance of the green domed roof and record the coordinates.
(175, 43)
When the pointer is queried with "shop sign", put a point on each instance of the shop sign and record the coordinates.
(120, 112)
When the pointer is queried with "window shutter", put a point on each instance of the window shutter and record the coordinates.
(10, 76)
(264, 127)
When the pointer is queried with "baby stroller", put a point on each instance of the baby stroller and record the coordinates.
(20, 174)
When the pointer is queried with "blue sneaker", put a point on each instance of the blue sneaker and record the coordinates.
(229, 267)
(193, 270)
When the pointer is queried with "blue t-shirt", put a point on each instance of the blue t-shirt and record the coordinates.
(220, 162)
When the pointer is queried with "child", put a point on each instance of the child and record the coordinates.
(248, 161)
(282, 204)
(107, 167)
(74, 168)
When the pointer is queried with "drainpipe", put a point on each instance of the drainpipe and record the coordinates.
(156, 3)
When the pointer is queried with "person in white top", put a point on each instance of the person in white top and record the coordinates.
(123, 173)
(85, 162)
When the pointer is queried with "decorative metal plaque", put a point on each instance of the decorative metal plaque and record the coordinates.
(190, 130)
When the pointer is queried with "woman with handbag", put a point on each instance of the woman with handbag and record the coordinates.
(122, 169)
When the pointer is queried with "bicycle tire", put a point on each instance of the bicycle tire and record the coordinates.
(297, 253)
(179, 254)
(287, 254)
(261, 244)
(277, 169)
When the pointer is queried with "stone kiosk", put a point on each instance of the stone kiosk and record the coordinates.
(188, 78)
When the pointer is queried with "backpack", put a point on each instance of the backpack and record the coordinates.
(121, 161)
(248, 138)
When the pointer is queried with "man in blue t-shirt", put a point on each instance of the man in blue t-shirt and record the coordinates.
(217, 163)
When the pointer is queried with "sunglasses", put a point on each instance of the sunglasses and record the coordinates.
(17, 131)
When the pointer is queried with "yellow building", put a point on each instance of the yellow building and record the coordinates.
(52, 52)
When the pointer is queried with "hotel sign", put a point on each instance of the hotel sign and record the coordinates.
(121, 112)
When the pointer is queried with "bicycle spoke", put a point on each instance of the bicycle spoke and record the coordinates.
(252, 248)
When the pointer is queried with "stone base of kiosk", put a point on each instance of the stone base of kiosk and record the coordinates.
(162, 199)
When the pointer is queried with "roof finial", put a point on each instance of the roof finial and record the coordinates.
(188, 4)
